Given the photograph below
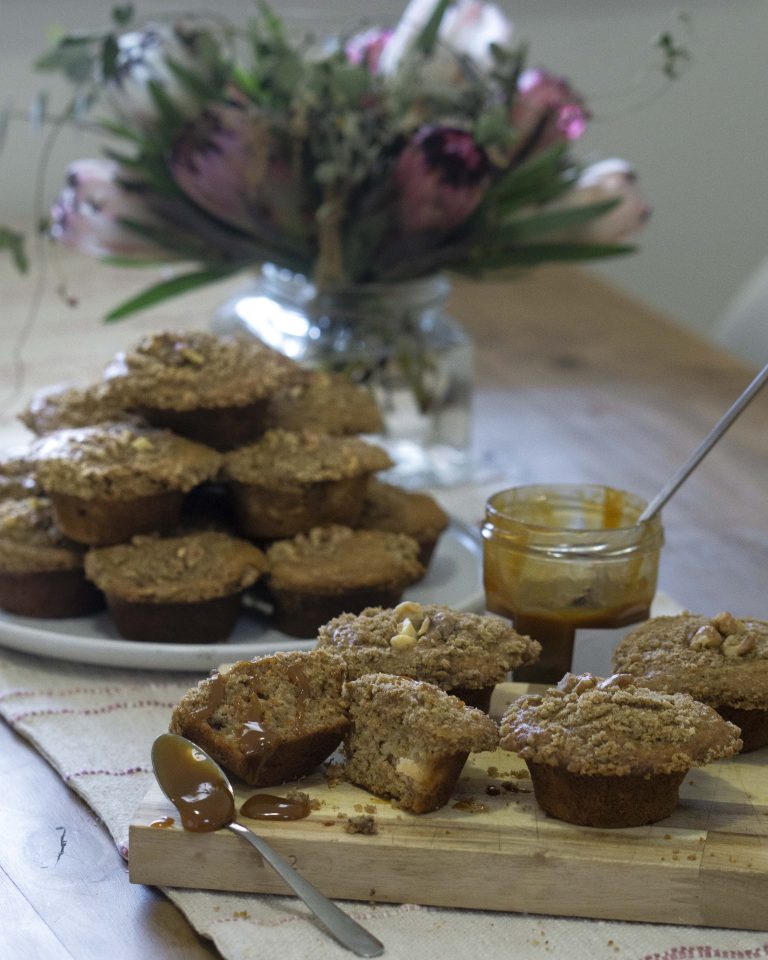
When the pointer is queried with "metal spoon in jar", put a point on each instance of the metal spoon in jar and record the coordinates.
(704, 447)
(201, 792)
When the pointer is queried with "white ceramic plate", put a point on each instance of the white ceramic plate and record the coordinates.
(454, 579)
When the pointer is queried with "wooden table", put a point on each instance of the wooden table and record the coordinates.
(574, 382)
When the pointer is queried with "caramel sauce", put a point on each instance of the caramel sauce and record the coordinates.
(266, 806)
(164, 823)
(215, 690)
(556, 630)
(193, 783)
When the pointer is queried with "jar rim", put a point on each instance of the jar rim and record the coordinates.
(561, 494)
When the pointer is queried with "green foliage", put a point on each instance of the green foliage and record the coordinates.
(13, 242)
(168, 289)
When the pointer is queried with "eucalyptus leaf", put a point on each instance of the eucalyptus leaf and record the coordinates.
(167, 289)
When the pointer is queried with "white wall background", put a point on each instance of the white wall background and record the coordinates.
(700, 146)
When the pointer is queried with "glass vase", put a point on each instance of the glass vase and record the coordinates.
(395, 339)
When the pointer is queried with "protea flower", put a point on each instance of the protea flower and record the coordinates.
(608, 180)
(440, 178)
(88, 211)
(143, 57)
(546, 111)
(467, 32)
(230, 163)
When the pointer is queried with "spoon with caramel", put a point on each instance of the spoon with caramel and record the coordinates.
(201, 792)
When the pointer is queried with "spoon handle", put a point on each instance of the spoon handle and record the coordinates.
(347, 931)
(705, 446)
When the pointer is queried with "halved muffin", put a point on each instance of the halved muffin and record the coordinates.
(410, 740)
(267, 720)
(182, 589)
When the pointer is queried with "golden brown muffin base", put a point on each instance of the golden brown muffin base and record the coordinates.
(223, 428)
(267, 513)
(101, 523)
(49, 594)
(752, 723)
(201, 621)
(302, 614)
(610, 801)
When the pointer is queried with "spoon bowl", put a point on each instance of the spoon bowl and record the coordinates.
(203, 795)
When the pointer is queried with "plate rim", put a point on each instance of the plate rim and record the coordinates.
(137, 655)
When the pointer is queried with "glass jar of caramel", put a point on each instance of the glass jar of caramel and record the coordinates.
(558, 558)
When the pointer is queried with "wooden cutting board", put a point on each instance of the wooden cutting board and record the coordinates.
(706, 865)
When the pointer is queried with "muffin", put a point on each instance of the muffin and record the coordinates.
(18, 473)
(288, 483)
(64, 406)
(267, 720)
(112, 481)
(466, 654)
(325, 403)
(609, 753)
(319, 575)
(418, 515)
(41, 572)
(214, 390)
(721, 661)
(409, 740)
(182, 589)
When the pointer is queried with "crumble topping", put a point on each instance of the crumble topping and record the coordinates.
(612, 727)
(430, 642)
(283, 458)
(722, 660)
(183, 371)
(176, 569)
(122, 461)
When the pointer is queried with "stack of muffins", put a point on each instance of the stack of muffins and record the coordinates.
(199, 467)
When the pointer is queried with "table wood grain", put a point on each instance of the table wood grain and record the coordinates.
(575, 382)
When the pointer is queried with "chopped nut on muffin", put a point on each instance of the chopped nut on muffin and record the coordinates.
(722, 661)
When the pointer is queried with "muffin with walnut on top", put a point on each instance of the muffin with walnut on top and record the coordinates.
(722, 661)
(466, 654)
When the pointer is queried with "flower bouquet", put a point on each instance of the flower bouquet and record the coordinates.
(355, 172)
(382, 156)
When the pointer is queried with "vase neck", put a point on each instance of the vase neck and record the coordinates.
(408, 297)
